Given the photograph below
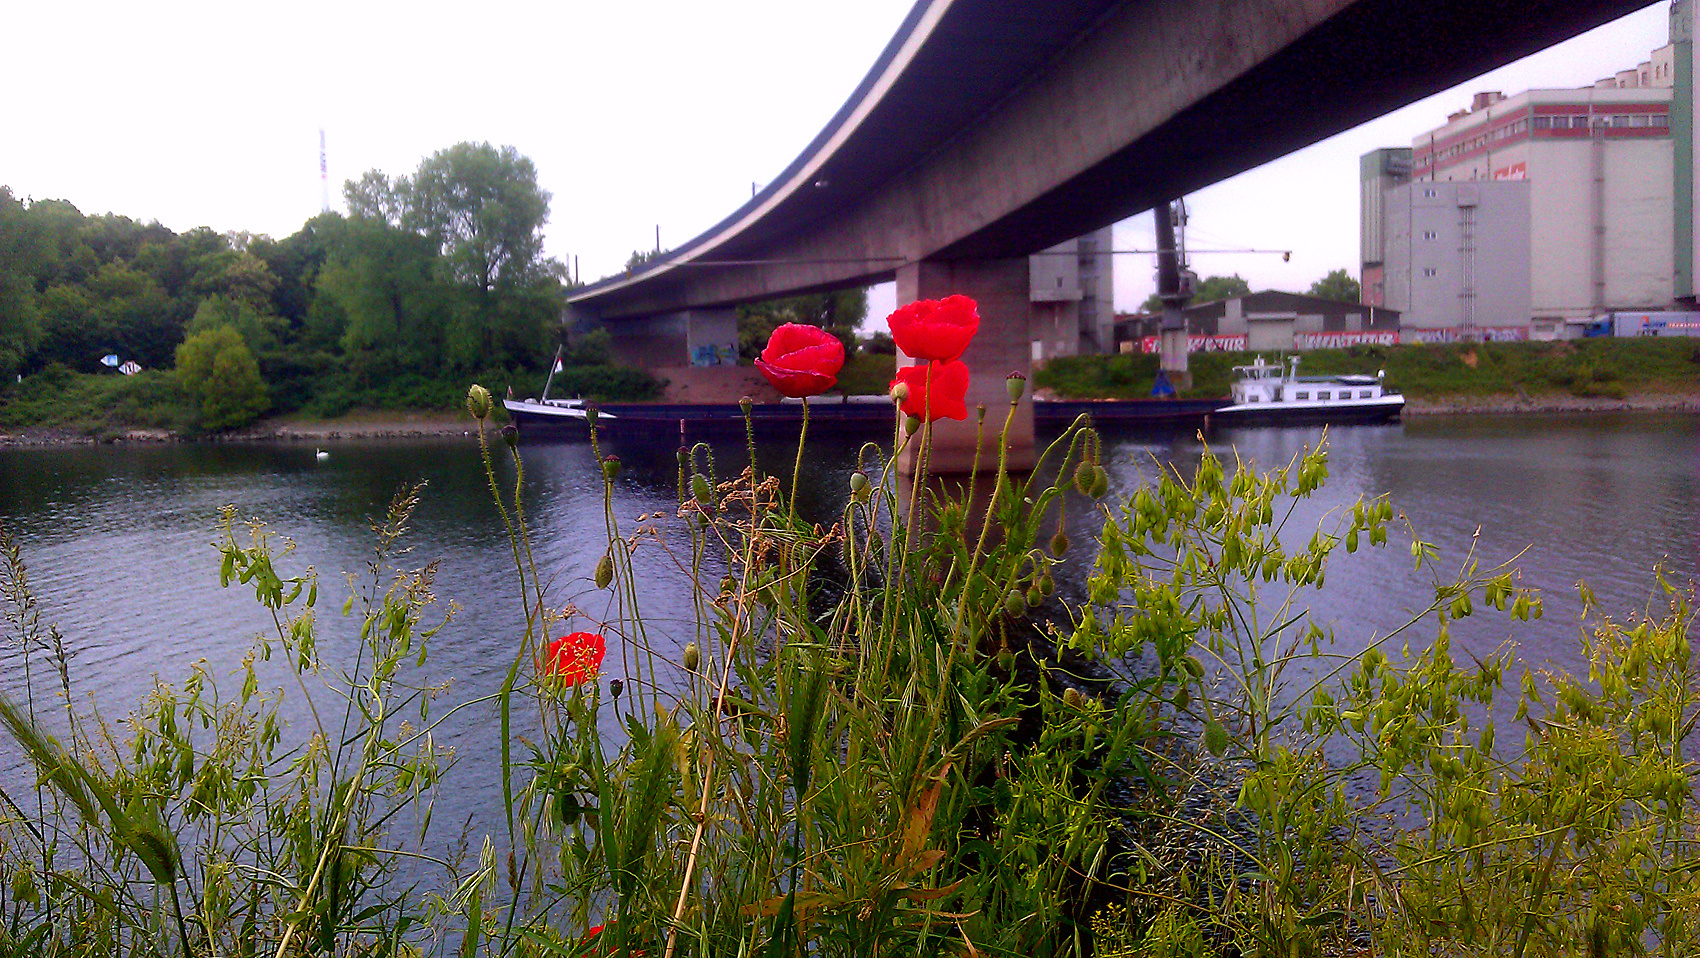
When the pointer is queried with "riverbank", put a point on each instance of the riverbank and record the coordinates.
(375, 424)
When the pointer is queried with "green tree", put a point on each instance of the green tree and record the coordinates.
(218, 370)
(484, 208)
(1338, 285)
(24, 253)
(1209, 290)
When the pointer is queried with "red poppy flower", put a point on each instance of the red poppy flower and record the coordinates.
(575, 658)
(949, 399)
(936, 329)
(801, 360)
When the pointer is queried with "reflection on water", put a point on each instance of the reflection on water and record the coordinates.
(118, 539)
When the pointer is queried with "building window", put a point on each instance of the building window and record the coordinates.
(1620, 121)
(1430, 271)
(1639, 119)
(1659, 119)
(1543, 122)
(1430, 234)
(1431, 194)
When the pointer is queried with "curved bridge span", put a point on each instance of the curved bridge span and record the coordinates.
(989, 130)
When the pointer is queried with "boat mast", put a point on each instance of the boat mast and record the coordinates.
(554, 364)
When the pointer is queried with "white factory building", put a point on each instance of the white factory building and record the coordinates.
(1527, 216)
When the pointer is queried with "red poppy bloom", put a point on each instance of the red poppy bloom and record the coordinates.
(801, 360)
(936, 329)
(949, 388)
(575, 658)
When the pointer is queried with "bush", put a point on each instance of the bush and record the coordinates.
(217, 369)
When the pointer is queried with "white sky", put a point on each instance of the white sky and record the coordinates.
(636, 115)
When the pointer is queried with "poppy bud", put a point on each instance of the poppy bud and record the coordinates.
(615, 686)
(1034, 596)
(692, 657)
(683, 455)
(702, 490)
(910, 424)
(1100, 482)
(604, 571)
(1006, 660)
(1059, 543)
(510, 435)
(859, 486)
(1016, 383)
(899, 391)
(1072, 698)
(478, 401)
(1083, 478)
(1047, 585)
(1014, 603)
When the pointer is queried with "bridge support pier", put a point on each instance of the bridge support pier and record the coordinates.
(1003, 345)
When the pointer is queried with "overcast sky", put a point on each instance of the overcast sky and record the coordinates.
(637, 115)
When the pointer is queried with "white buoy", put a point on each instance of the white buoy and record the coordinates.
(320, 454)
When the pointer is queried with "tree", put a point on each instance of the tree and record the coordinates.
(1209, 290)
(218, 370)
(24, 253)
(1338, 285)
(484, 208)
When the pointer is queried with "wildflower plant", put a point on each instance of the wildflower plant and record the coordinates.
(883, 733)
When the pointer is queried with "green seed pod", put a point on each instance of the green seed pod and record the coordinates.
(702, 490)
(692, 657)
(683, 455)
(1034, 596)
(611, 467)
(745, 404)
(1016, 384)
(1073, 699)
(1193, 667)
(859, 486)
(1100, 482)
(1015, 603)
(980, 412)
(604, 571)
(1047, 585)
(910, 424)
(478, 401)
(590, 414)
(1059, 544)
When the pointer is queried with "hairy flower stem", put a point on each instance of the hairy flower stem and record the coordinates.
(797, 469)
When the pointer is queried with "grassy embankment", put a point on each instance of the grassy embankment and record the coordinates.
(105, 405)
(1590, 368)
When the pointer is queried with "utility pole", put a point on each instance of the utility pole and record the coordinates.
(1172, 335)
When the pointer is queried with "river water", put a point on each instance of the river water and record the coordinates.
(118, 538)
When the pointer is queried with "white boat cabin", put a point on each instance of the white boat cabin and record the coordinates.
(1264, 383)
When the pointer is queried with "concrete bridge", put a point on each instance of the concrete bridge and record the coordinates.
(989, 130)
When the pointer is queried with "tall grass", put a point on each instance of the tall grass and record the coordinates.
(871, 746)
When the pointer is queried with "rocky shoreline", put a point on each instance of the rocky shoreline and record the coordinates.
(450, 425)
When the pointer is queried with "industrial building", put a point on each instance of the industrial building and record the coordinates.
(1072, 288)
(1527, 216)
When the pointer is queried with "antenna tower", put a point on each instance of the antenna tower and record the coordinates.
(324, 174)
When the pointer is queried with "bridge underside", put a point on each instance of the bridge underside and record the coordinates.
(999, 128)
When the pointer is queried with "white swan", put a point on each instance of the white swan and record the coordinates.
(320, 454)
